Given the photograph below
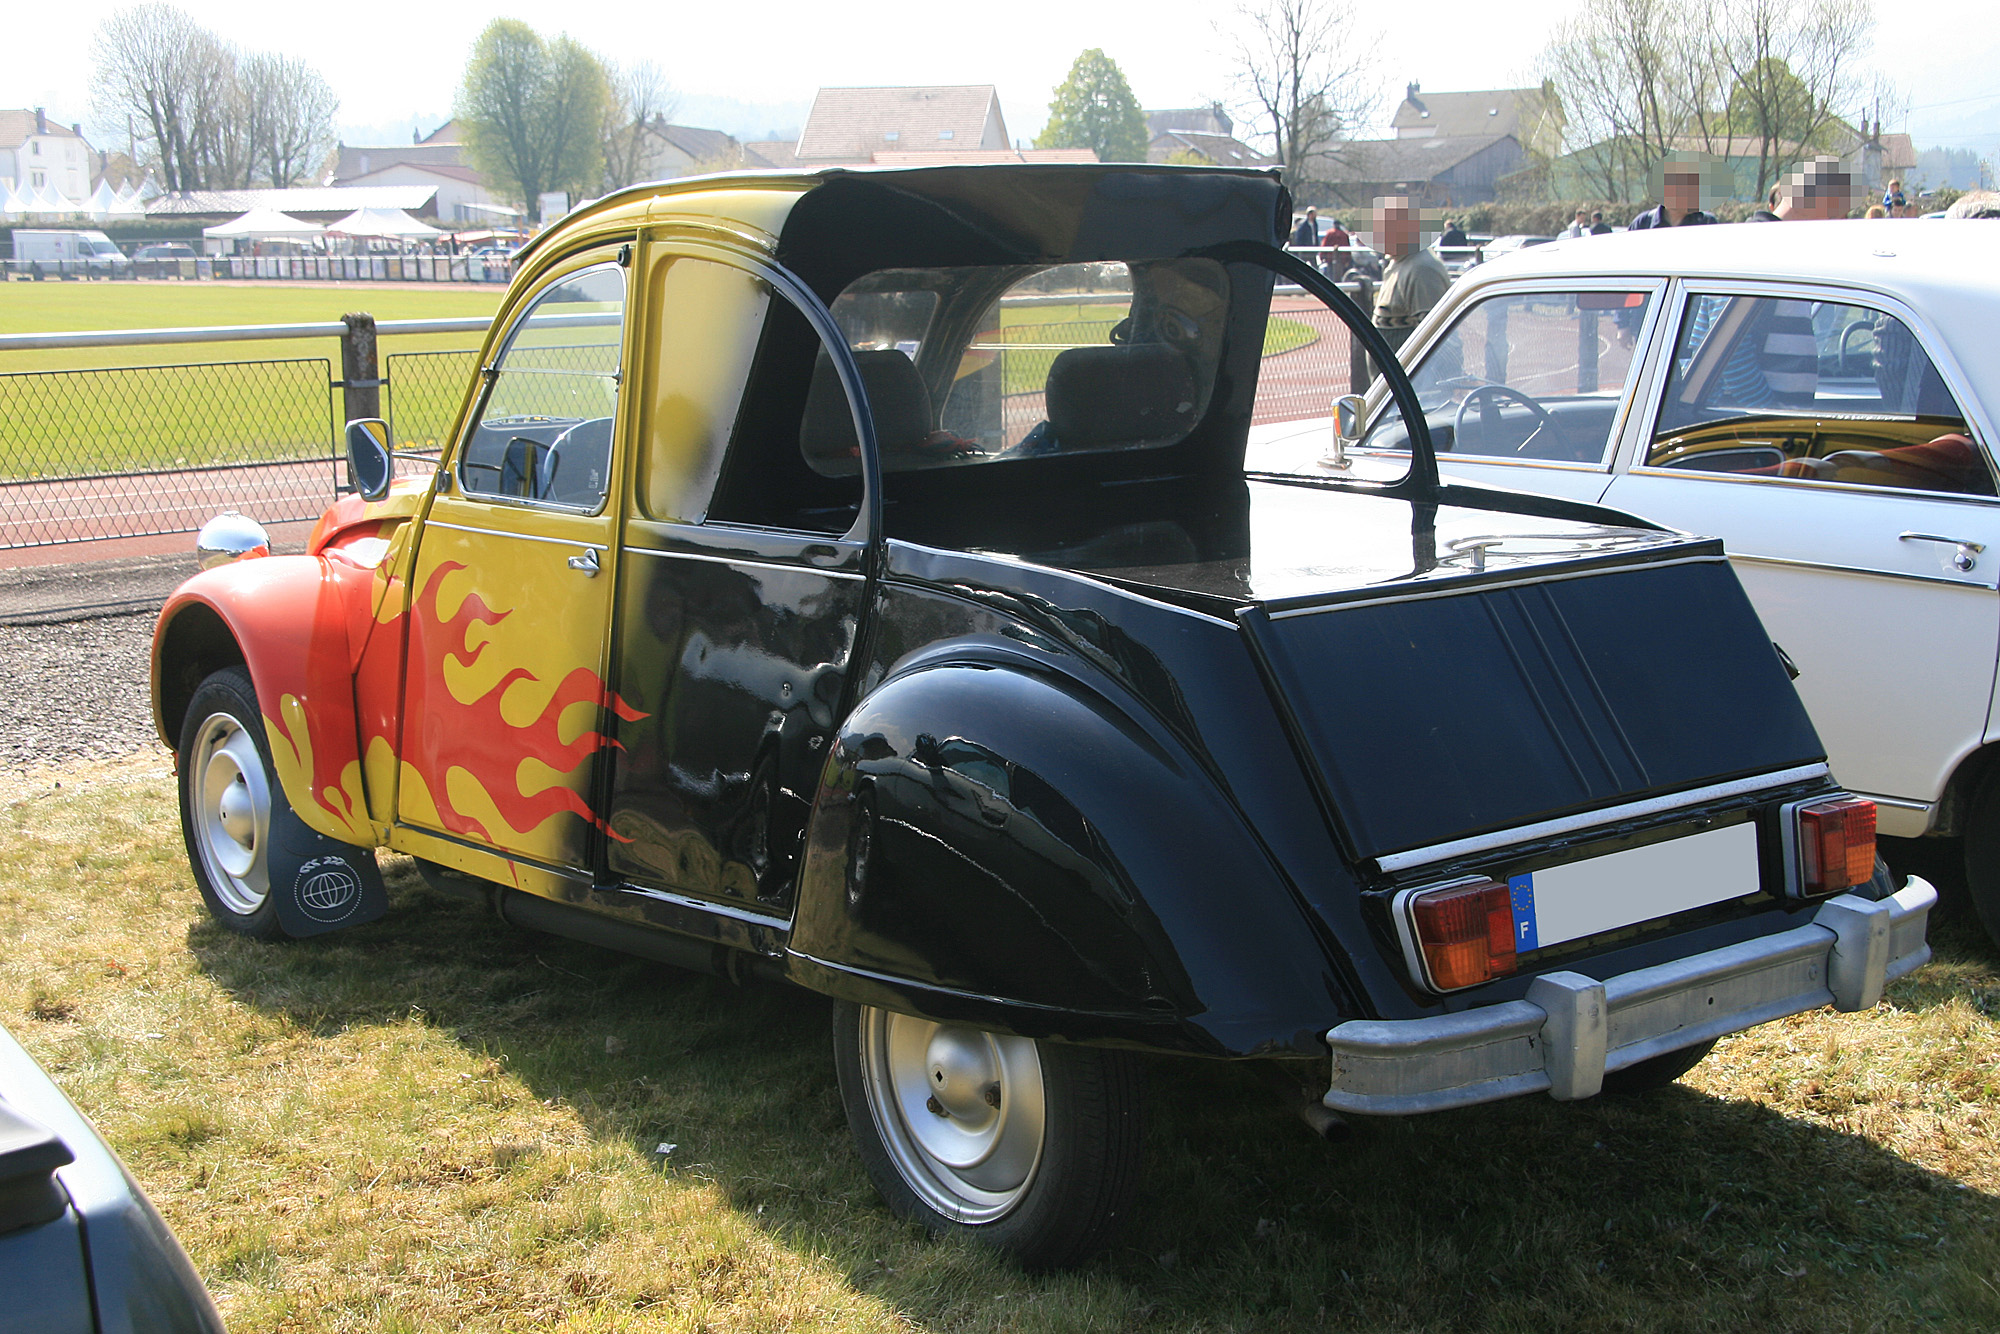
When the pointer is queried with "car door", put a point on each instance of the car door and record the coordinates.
(743, 583)
(1817, 432)
(506, 707)
(1529, 385)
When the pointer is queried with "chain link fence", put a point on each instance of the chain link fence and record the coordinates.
(141, 451)
(422, 393)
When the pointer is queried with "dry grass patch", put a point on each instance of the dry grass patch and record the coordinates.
(437, 1123)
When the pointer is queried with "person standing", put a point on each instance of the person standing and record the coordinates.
(1338, 260)
(1598, 226)
(1580, 227)
(1680, 199)
(1306, 234)
(1414, 281)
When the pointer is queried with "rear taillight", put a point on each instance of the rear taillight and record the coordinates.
(1465, 932)
(1836, 845)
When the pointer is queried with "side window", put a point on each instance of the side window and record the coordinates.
(1526, 375)
(1815, 391)
(544, 433)
(707, 318)
(971, 365)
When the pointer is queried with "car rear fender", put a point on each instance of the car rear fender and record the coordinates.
(298, 624)
(1000, 846)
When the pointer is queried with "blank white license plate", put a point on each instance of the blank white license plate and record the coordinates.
(1577, 899)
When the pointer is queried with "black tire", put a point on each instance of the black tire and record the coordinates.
(1655, 1072)
(1982, 854)
(1062, 1143)
(228, 794)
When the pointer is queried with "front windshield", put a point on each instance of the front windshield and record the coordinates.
(1525, 376)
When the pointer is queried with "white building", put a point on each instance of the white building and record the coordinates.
(39, 155)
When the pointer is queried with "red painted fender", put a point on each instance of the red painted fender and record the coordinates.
(300, 625)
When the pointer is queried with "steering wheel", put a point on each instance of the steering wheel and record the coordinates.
(1847, 336)
(1498, 391)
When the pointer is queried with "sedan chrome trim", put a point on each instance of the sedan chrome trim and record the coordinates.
(1792, 564)
(1461, 847)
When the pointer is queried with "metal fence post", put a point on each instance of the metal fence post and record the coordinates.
(1358, 376)
(360, 370)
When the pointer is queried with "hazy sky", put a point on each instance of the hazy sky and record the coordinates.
(390, 62)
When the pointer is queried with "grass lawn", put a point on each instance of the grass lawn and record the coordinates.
(436, 1123)
(210, 408)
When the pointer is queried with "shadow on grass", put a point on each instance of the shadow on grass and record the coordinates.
(1676, 1211)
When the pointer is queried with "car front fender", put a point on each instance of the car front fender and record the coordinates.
(1003, 847)
(298, 624)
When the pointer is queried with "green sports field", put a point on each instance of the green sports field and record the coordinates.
(233, 402)
(195, 404)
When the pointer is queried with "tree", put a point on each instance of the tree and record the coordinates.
(287, 108)
(1643, 78)
(1306, 69)
(533, 111)
(638, 95)
(1632, 83)
(212, 118)
(1094, 108)
(167, 75)
(1790, 66)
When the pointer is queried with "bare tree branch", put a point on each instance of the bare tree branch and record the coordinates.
(1305, 70)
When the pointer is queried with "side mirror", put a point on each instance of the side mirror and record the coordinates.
(1348, 411)
(370, 464)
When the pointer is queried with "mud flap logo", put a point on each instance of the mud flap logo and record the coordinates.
(327, 890)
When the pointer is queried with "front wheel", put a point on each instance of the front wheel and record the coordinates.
(227, 795)
(1031, 1147)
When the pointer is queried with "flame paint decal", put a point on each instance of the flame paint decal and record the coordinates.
(479, 768)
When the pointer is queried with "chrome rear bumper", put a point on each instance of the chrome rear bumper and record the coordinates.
(1571, 1029)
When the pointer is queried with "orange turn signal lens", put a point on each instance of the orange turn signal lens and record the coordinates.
(1466, 933)
(1836, 845)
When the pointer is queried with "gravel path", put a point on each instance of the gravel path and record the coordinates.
(75, 656)
(75, 691)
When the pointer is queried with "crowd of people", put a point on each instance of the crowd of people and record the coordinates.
(1414, 278)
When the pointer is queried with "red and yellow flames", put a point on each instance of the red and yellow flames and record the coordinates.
(477, 761)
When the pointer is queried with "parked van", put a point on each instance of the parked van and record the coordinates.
(68, 254)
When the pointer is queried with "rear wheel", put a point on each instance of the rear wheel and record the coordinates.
(1982, 854)
(1031, 1147)
(228, 794)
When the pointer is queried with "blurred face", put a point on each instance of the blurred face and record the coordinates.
(1682, 192)
(1396, 227)
(1824, 195)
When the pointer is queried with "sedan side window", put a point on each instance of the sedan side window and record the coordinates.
(1527, 375)
(1819, 391)
(544, 432)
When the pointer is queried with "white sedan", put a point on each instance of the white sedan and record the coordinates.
(1820, 395)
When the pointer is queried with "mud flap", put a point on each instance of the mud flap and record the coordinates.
(320, 884)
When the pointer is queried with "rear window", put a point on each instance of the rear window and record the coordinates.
(973, 365)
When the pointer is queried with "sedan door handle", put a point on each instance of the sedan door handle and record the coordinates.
(587, 563)
(1962, 560)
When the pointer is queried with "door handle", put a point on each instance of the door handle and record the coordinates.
(1961, 560)
(587, 563)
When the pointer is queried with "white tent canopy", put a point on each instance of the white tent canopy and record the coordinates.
(387, 223)
(263, 224)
